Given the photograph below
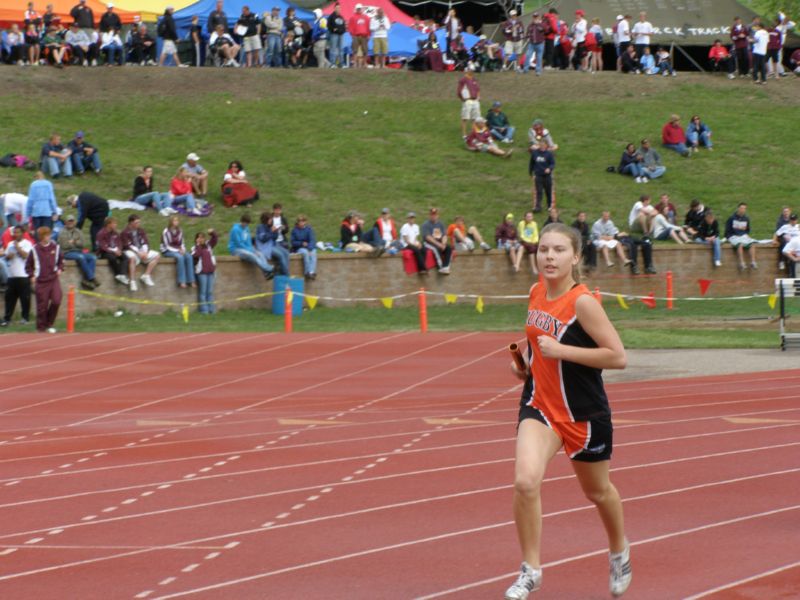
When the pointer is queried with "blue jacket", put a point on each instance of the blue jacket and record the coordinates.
(240, 238)
(304, 234)
(41, 200)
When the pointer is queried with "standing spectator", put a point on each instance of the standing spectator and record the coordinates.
(514, 33)
(93, 207)
(721, 59)
(760, 40)
(337, 27)
(143, 193)
(196, 38)
(180, 192)
(774, 51)
(499, 125)
(595, 48)
(169, 34)
(304, 243)
(70, 240)
(110, 20)
(737, 230)
(623, 38)
(740, 46)
(630, 163)
(83, 16)
(551, 18)
(84, 156)
(784, 25)
(41, 206)
(273, 25)
(111, 45)
(173, 246)
(707, 233)
(32, 42)
(18, 286)
(137, 249)
(579, 30)
(528, 233)
(197, 175)
(240, 243)
(249, 27)
(80, 45)
(319, 38)
(216, 18)
(379, 27)
(505, 237)
(604, 238)
(452, 26)
(409, 238)
(540, 168)
(537, 35)
(641, 34)
(205, 269)
(434, 237)
(143, 47)
(673, 137)
(109, 246)
(359, 28)
(463, 238)
(469, 92)
(55, 158)
(640, 219)
(44, 266)
(698, 133)
(694, 217)
(267, 243)
(650, 162)
(589, 251)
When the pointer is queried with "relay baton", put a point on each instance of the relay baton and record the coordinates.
(519, 362)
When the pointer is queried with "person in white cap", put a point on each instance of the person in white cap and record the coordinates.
(197, 174)
(622, 37)
(358, 26)
(514, 32)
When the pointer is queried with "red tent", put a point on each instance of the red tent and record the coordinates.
(348, 9)
(13, 11)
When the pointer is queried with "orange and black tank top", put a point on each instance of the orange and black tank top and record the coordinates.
(562, 390)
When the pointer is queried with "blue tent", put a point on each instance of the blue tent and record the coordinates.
(233, 9)
(404, 41)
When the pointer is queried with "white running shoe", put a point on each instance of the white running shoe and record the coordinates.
(147, 280)
(133, 286)
(529, 580)
(123, 279)
(51, 330)
(620, 571)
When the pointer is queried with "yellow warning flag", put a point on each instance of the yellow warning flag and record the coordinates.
(450, 298)
(387, 302)
(771, 299)
(311, 301)
(185, 313)
(622, 302)
(479, 304)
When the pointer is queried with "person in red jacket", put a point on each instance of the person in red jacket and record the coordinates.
(180, 191)
(358, 26)
(44, 266)
(673, 136)
(551, 16)
(721, 59)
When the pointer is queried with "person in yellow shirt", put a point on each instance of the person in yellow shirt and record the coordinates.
(528, 234)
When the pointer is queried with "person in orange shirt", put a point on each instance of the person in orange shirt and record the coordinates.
(463, 238)
(564, 404)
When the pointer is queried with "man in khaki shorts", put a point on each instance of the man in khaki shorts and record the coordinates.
(469, 92)
(359, 28)
(249, 27)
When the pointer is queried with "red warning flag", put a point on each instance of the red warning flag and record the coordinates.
(704, 285)
(650, 300)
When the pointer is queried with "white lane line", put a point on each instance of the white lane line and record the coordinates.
(739, 582)
(7, 551)
(81, 358)
(190, 568)
(167, 581)
(143, 594)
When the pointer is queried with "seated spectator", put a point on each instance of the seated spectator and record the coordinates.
(791, 252)
(553, 216)
(109, 246)
(70, 240)
(236, 190)
(721, 59)
(41, 206)
(604, 238)
(664, 62)
(143, 193)
(223, 46)
(459, 53)
(633, 245)
(697, 134)
(18, 286)
(17, 48)
(783, 235)
(651, 162)
(630, 163)
(707, 232)
(55, 158)
(44, 266)
(84, 156)
(409, 238)
(672, 210)
(589, 251)
(432, 54)
(506, 238)
(486, 55)
(673, 137)
(737, 231)
(499, 126)
(54, 47)
(111, 46)
(663, 229)
(80, 45)
(173, 246)
(352, 236)
(205, 268)
(540, 169)
(304, 242)
(538, 134)
(462, 238)
(267, 243)
(694, 218)
(434, 237)
(640, 219)
(93, 207)
(180, 192)
(137, 250)
(240, 244)
(528, 233)
(794, 62)
(197, 175)
(387, 232)
(32, 41)
(295, 49)
(143, 47)
(629, 61)
(647, 62)
(480, 140)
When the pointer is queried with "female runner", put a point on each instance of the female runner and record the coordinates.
(570, 340)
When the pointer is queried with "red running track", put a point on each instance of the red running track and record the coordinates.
(367, 466)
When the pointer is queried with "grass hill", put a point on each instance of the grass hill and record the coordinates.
(325, 142)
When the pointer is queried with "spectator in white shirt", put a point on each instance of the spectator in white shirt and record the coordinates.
(409, 238)
(760, 40)
(111, 44)
(641, 32)
(622, 37)
(224, 47)
(379, 26)
(19, 285)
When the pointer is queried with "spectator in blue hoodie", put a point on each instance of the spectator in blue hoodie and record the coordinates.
(267, 242)
(304, 243)
(241, 244)
(41, 205)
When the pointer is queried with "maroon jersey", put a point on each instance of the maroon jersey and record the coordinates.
(45, 262)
